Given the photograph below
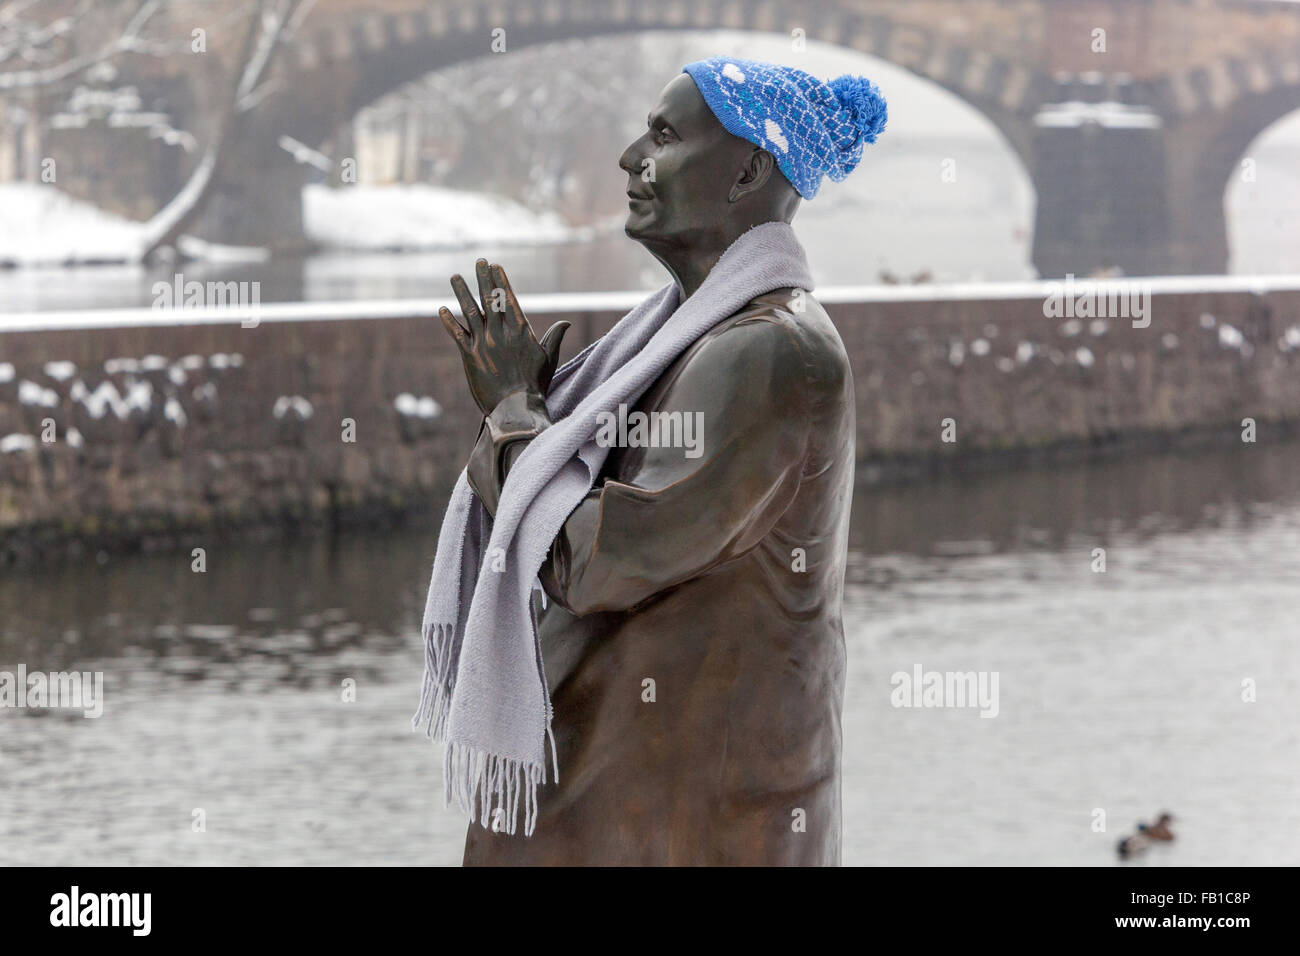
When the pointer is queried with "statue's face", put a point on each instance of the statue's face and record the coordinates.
(681, 170)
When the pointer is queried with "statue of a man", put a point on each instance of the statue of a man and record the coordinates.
(688, 664)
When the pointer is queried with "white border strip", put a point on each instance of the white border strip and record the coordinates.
(616, 302)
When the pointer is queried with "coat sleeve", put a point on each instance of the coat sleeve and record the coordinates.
(678, 512)
(518, 419)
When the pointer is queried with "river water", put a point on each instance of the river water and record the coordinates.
(1119, 691)
(950, 247)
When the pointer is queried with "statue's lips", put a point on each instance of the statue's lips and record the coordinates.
(632, 197)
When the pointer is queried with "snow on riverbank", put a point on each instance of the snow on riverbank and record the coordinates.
(45, 227)
(424, 217)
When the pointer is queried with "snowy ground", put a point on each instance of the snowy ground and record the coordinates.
(423, 217)
(43, 226)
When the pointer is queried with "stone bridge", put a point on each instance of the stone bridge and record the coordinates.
(1129, 135)
(1129, 116)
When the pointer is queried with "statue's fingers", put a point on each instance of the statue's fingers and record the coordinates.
(473, 318)
(512, 303)
(551, 344)
(492, 303)
(455, 329)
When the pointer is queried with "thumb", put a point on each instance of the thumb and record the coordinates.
(551, 342)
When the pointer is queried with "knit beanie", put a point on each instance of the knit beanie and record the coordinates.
(811, 127)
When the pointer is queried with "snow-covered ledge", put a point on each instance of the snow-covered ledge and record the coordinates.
(614, 302)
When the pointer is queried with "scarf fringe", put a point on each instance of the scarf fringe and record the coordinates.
(489, 787)
(435, 693)
(481, 783)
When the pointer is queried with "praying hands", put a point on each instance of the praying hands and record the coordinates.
(497, 346)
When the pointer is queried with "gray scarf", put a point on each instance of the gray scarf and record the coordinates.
(484, 689)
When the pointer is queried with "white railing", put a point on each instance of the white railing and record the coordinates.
(610, 302)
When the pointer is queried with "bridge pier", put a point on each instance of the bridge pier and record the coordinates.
(1198, 225)
(1133, 197)
(257, 199)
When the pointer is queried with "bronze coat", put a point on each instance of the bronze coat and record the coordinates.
(717, 577)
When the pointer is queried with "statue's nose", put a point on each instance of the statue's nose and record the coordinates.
(627, 162)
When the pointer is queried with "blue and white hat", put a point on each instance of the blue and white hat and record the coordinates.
(811, 127)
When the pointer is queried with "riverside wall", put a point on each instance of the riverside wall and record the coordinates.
(170, 427)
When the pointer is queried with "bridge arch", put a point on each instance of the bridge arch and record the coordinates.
(952, 194)
(1211, 73)
(339, 68)
(1262, 201)
(346, 57)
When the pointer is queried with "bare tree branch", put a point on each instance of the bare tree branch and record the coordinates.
(129, 40)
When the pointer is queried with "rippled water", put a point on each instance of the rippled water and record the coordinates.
(1120, 691)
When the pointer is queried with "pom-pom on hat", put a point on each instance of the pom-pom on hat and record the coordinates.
(811, 127)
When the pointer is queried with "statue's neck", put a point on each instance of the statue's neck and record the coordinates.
(690, 265)
(689, 262)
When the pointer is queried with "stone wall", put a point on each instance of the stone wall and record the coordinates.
(1012, 379)
(168, 431)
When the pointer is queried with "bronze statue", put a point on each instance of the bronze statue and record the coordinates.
(691, 637)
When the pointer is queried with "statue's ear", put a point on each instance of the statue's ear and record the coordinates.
(754, 175)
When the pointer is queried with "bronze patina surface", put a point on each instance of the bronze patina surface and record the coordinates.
(718, 577)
